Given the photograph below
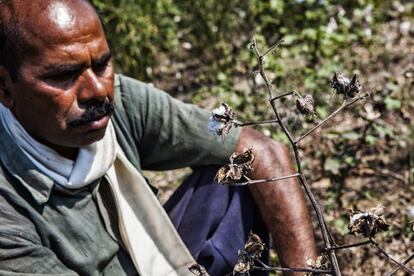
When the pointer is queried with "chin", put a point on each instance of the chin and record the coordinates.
(91, 137)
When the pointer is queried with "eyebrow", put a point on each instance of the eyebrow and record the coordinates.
(66, 68)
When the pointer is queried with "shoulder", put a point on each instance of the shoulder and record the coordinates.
(128, 89)
(14, 220)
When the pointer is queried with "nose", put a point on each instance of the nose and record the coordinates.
(92, 88)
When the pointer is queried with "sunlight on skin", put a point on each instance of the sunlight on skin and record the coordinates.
(62, 15)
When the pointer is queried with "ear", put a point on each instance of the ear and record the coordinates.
(5, 88)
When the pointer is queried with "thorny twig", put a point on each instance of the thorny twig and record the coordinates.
(371, 241)
(265, 180)
(237, 124)
(348, 245)
(290, 269)
(315, 205)
(406, 261)
(344, 105)
(403, 266)
(282, 95)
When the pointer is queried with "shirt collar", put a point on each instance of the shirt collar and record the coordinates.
(20, 167)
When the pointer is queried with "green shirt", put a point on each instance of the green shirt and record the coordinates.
(46, 229)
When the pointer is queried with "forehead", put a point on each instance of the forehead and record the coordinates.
(62, 25)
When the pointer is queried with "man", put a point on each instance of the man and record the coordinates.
(72, 199)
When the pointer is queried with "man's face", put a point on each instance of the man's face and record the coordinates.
(64, 92)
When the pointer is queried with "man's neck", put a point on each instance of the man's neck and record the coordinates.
(67, 152)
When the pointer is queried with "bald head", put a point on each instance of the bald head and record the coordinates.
(26, 24)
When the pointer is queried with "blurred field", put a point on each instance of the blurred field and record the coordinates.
(198, 51)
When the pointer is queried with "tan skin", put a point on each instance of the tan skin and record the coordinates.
(281, 203)
(47, 95)
(71, 69)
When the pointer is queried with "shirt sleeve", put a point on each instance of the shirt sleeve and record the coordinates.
(21, 250)
(170, 134)
(24, 257)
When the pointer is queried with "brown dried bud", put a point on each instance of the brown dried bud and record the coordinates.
(354, 87)
(240, 165)
(242, 267)
(198, 270)
(254, 246)
(221, 120)
(244, 264)
(305, 105)
(342, 85)
(368, 224)
(244, 158)
(321, 262)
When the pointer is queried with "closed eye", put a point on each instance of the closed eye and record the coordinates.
(99, 66)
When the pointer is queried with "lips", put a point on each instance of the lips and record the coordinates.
(98, 124)
(94, 113)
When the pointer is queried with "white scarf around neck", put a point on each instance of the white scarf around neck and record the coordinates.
(92, 162)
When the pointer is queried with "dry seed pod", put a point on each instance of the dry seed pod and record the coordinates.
(240, 165)
(254, 245)
(369, 223)
(244, 264)
(343, 85)
(246, 157)
(229, 174)
(198, 270)
(305, 105)
(224, 113)
(241, 267)
(221, 120)
(340, 83)
(354, 87)
(321, 262)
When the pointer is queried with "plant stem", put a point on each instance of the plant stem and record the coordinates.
(257, 181)
(344, 105)
(324, 229)
(348, 245)
(403, 266)
(288, 269)
(274, 46)
(254, 123)
(406, 261)
(282, 95)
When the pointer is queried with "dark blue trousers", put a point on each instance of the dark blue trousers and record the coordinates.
(215, 220)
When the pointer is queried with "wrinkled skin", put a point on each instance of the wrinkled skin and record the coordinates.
(69, 71)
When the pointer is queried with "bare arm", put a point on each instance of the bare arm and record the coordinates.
(281, 203)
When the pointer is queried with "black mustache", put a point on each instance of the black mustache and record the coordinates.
(93, 112)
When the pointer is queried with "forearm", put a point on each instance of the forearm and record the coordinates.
(281, 203)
